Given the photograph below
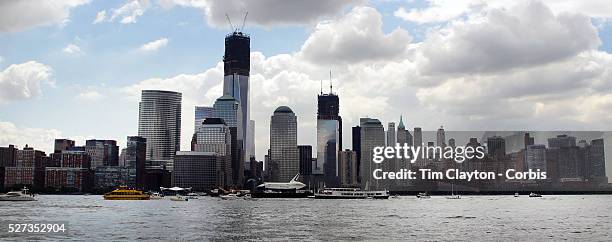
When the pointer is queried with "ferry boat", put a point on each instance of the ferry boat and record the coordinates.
(125, 193)
(350, 193)
(23, 195)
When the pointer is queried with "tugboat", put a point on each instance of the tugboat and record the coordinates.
(24, 195)
(125, 193)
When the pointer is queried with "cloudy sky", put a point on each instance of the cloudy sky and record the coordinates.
(75, 68)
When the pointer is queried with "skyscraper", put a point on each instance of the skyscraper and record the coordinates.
(357, 148)
(391, 138)
(136, 157)
(198, 170)
(536, 157)
(441, 137)
(329, 137)
(372, 135)
(283, 144)
(215, 136)
(201, 113)
(417, 136)
(236, 68)
(159, 122)
(496, 147)
(348, 168)
(401, 132)
(305, 157)
(229, 109)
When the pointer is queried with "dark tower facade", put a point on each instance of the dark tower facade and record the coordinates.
(236, 67)
(237, 54)
(329, 138)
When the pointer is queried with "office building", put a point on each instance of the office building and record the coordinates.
(417, 136)
(496, 147)
(199, 170)
(283, 145)
(202, 113)
(372, 135)
(536, 157)
(305, 157)
(62, 145)
(329, 137)
(356, 139)
(229, 110)
(348, 168)
(102, 152)
(215, 136)
(159, 122)
(136, 158)
(391, 134)
(107, 178)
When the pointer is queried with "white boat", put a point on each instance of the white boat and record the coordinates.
(156, 196)
(192, 195)
(179, 198)
(350, 193)
(453, 196)
(516, 194)
(23, 195)
(534, 195)
(423, 195)
(231, 196)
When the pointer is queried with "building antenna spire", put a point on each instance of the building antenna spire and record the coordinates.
(321, 87)
(331, 87)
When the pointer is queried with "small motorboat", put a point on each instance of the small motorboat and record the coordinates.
(192, 195)
(179, 198)
(423, 195)
(516, 194)
(231, 196)
(23, 195)
(156, 196)
(535, 195)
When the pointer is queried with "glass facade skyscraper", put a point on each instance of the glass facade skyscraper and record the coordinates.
(159, 122)
(329, 138)
(283, 145)
(229, 110)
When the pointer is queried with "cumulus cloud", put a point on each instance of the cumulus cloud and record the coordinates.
(127, 13)
(444, 10)
(100, 17)
(154, 45)
(356, 37)
(17, 15)
(73, 49)
(265, 12)
(498, 39)
(40, 139)
(23, 81)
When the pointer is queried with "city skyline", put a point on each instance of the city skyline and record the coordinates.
(306, 59)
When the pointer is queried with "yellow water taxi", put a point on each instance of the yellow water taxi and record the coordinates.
(125, 193)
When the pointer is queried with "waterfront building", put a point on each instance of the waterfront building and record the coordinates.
(136, 158)
(283, 145)
(202, 171)
(7, 156)
(29, 169)
(107, 178)
(348, 168)
(102, 152)
(562, 141)
(215, 136)
(159, 122)
(356, 145)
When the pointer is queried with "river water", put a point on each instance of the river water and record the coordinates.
(584, 217)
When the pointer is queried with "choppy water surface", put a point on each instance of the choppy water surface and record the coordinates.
(585, 217)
